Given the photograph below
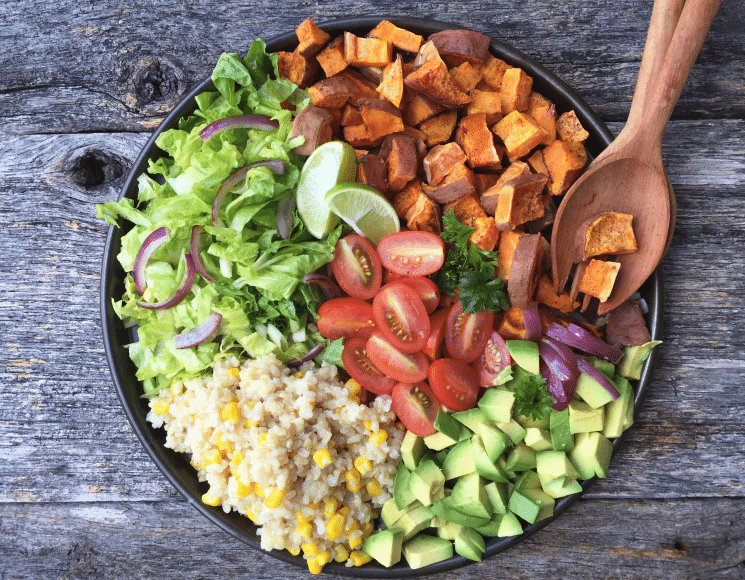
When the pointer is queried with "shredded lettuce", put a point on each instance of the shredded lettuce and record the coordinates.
(258, 274)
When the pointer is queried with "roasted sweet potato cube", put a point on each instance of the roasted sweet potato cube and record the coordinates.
(365, 89)
(466, 207)
(316, 125)
(371, 170)
(459, 181)
(512, 326)
(439, 128)
(547, 219)
(607, 233)
(507, 243)
(440, 160)
(545, 294)
(332, 93)
(331, 58)
(466, 76)
(477, 141)
(418, 108)
(486, 235)
(360, 138)
(403, 200)
(565, 162)
(519, 133)
(311, 39)
(626, 325)
(391, 86)
(297, 68)
(537, 164)
(350, 115)
(543, 112)
(428, 51)
(490, 195)
(380, 117)
(461, 45)
(484, 181)
(492, 72)
(424, 215)
(400, 155)
(488, 102)
(417, 134)
(515, 91)
(569, 128)
(398, 37)
(520, 201)
(527, 268)
(433, 80)
(367, 51)
(599, 278)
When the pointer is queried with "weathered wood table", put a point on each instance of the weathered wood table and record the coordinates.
(82, 86)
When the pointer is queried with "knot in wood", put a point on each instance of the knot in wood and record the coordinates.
(155, 81)
(96, 167)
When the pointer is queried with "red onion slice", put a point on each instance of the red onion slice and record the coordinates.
(199, 334)
(154, 241)
(577, 337)
(590, 370)
(311, 354)
(239, 122)
(329, 288)
(285, 215)
(561, 374)
(196, 255)
(182, 290)
(532, 322)
(276, 166)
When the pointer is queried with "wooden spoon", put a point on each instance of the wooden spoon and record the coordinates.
(629, 176)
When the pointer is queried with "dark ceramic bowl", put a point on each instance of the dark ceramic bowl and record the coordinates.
(176, 466)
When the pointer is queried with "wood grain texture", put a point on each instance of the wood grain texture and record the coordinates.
(82, 87)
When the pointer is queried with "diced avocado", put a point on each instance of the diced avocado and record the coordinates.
(502, 462)
(525, 354)
(427, 483)
(424, 550)
(544, 501)
(629, 419)
(413, 521)
(604, 366)
(494, 441)
(459, 460)
(401, 494)
(529, 422)
(449, 530)
(470, 497)
(447, 511)
(412, 449)
(438, 522)
(562, 486)
(448, 425)
(497, 494)
(528, 480)
(438, 441)
(561, 437)
(538, 439)
(469, 544)
(441, 455)
(521, 458)
(484, 466)
(502, 526)
(633, 357)
(524, 507)
(553, 464)
(496, 403)
(583, 418)
(591, 454)
(428, 455)
(592, 392)
(390, 513)
(617, 411)
(513, 430)
(471, 418)
(385, 546)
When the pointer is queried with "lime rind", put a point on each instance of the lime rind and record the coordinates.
(362, 207)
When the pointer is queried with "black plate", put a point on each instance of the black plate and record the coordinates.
(176, 466)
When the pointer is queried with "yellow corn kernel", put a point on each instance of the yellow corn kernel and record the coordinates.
(223, 444)
(340, 553)
(237, 458)
(210, 499)
(368, 424)
(355, 542)
(275, 498)
(353, 386)
(304, 529)
(293, 550)
(161, 406)
(359, 558)
(379, 437)
(322, 457)
(335, 527)
(258, 490)
(367, 529)
(362, 464)
(263, 437)
(314, 505)
(324, 558)
(338, 410)
(212, 456)
(251, 424)
(353, 479)
(177, 388)
(314, 566)
(243, 490)
(251, 515)
(230, 413)
(310, 549)
(345, 511)
(299, 374)
(301, 517)
(373, 487)
(234, 372)
(352, 526)
(330, 507)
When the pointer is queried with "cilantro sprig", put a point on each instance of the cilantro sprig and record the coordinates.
(470, 270)
(532, 398)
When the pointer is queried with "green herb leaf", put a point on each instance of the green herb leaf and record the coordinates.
(532, 398)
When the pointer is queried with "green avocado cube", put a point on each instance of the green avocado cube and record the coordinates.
(446, 510)
(469, 544)
(401, 494)
(630, 365)
(592, 392)
(538, 439)
(498, 496)
(459, 460)
(561, 437)
(391, 514)
(470, 496)
(528, 422)
(591, 454)
(412, 449)
(485, 467)
(427, 483)
(448, 531)
(583, 418)
(544, 501)
(413, 521)
(617, 411)
(561, 487)
(471, 418)
(528, 480)
(513, 430)
(494, 441)
(385, 547)
(423, 550)
(521, 458)
(553, 464)
(525, 354)
(496, 404)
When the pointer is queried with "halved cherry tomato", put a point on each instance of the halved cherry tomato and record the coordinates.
(494, 359)
(454, 383)
(466, 333)
(400, 366)
(412, 253)
(356, 267)
(401, 316)
(359, 367)
(425, 288)
(416, 407)
(432, 348)
(345, 317)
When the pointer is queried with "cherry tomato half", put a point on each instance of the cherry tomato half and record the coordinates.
(401, 316)
(356, 267)
(416, 407)
(412, 253)
(425, 288)
(359, 367)
(345, 317)
(432, 348)
(494, 359)
(400, 366)
(466, 333)
(454, 383)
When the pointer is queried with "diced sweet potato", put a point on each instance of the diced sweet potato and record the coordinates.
(403, 200)
(607, 233)
(519, 133)
(427, 52)
(433, 80)
(477, 141)
(466, 207)
(316, 125)
(626, 325)
(569, 127)
(461, 45)
(488, 102)
(391, 86)
(543, 112)
(516, 170)
(439, 128)
(360, 138)
(297, 68)
(371, 170)
(367, 51)
(515, 92)
(486, 235)
(400, 155)
(565, 163)
(459, 182)
(520, 200)
(440, 160)
(536, 163)
(512, 325)
(331, 58)
(545, 294)
(374, 74)
(466, 76)
(380, 117)
(492, 72)
(547, 219)
(599, 278)
(424, 215)
(484, 181)
(350, 115)
(311, 39)
(526, 270)
(365, 89)
(398, 37)
(332, 93)
(419, 108)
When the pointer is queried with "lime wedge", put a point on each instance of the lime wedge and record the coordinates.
(369, 213)
(331, 163)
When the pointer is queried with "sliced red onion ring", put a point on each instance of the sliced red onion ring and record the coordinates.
(285, 215)
(276, 166)
(196, 255)
(181, 292)
(329, 288)
(199, 334)
(238, 122)
(590, 370)
(532, 322)
(311, 354)
(154, 241)
(560, 373)
(577, 337)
